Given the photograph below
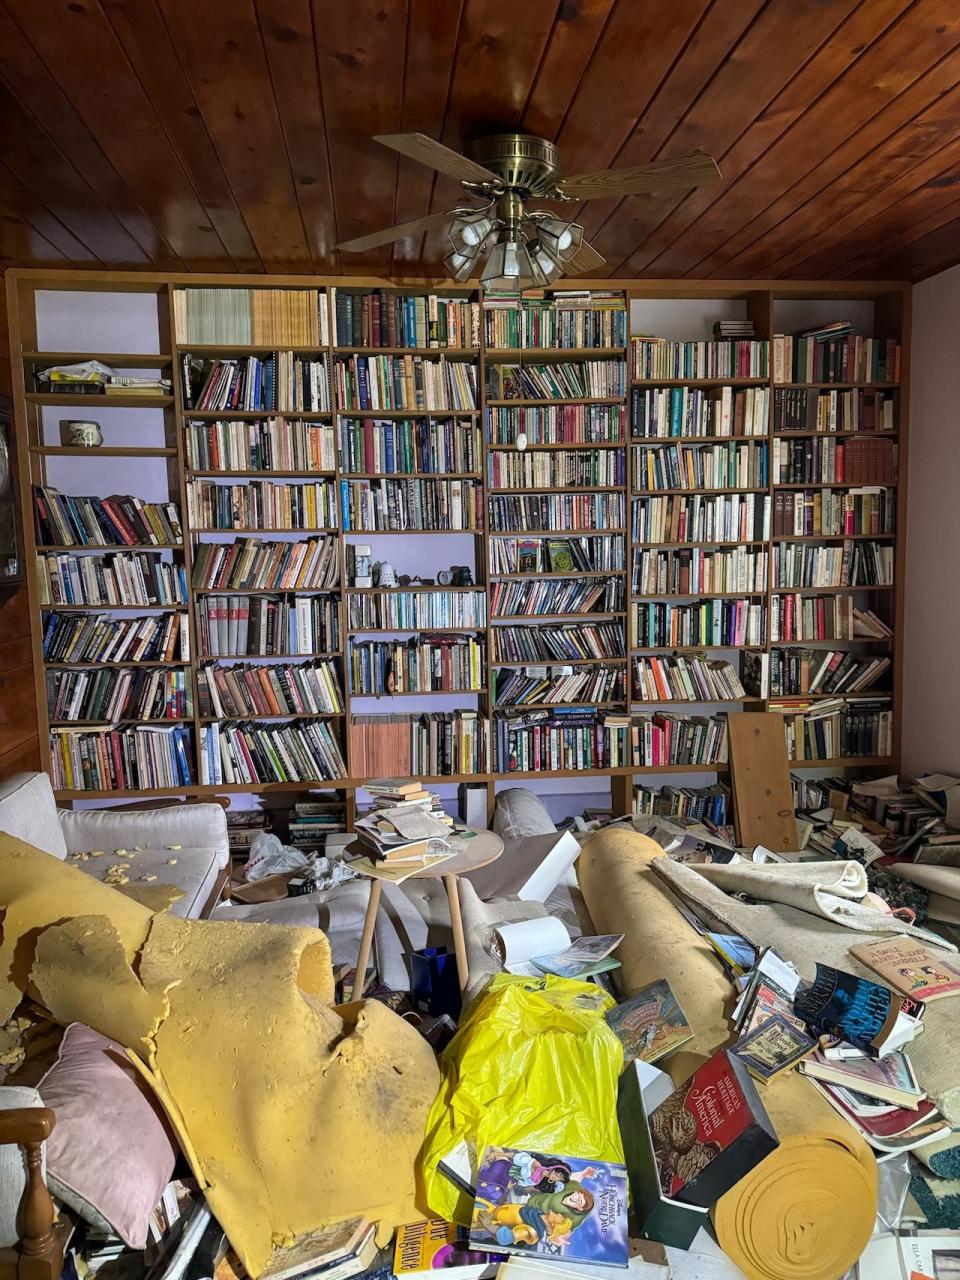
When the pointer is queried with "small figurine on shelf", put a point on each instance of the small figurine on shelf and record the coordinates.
(462, 575)
(361, 557)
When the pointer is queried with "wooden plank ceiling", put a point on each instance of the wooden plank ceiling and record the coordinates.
(226, 135)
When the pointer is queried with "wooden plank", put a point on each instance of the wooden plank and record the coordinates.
(225, 65)
(573, 42)
(149, 45)
(760, 780)
(773, 51)
(290, 44)
(924, 257)
(360, 53)
(96, 75)
(918, 225)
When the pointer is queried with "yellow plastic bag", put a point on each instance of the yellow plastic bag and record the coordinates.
(534, 1066)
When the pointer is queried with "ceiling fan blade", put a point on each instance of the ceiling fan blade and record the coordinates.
(399, 232)
(584, 262)
(429, 152)
(667, 177)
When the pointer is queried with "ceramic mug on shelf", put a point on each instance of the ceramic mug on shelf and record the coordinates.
(78, 434)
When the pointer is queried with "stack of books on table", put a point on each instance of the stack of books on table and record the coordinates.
(406, 824)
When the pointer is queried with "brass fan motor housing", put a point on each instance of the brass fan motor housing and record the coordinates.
(523, 162)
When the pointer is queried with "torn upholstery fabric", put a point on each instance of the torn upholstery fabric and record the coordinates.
(291, 1113)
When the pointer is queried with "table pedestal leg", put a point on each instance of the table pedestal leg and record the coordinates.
(366, 938)
(459, 944)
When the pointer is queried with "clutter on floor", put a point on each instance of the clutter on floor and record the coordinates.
(634, 1044)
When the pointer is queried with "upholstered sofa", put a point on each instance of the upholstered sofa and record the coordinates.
(183, 845)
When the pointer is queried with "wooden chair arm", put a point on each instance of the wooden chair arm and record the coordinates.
(26, 1125)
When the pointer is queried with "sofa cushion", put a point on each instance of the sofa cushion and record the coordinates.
(192, 870)
(13, 1164)
(111, 1153)
(29, 812)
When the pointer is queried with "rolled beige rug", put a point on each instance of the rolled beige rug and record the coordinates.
(807, 1210)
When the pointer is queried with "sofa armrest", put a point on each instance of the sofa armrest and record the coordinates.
(197, 826)
(29, 1127)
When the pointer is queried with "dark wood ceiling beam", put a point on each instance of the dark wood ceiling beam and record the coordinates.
(151, 50)
(785, 220)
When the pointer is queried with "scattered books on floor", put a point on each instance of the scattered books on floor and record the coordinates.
(868, 1016)
(776, 1044)
(403, 831)
(333, 1253)
(889, 1079)
(63, 520)
(651, 1023)
(911, 967)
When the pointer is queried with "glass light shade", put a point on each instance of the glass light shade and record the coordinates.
(470, 230)
(508, 267)
(545, 266)
(460, 263)
(562, 239)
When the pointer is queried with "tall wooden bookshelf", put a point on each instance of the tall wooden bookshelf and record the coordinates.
(773, 307)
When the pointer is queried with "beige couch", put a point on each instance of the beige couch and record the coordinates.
(29, 812)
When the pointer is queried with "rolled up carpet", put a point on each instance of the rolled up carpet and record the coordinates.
(807, 1210)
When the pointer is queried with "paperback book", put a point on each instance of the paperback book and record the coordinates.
(557, 1207)
(911, 968)
(650, 1024)
(773, 1046)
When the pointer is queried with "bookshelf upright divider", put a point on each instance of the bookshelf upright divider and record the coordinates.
(553, 484)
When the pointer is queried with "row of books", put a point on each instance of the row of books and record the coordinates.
(677, 679)
(857, 461)
(559, 684)
(122, 579)
(144, 758)
(705, 466)
(426, 745)
(270, 444)
(379, 318)
(96, 638)
(557, 595)
(372, 505)
(653, 358)
(281, 382)
(237, 316)
(433, 446)
(699, 804)
(556, 423)
(853, 409)
(712, 623)
(720, 518)
(832, 513)
(564, 643)
(596, 319)
(547, 741)
(792, 672)
(67, 520)
(416, 610)
(557, 555)
(405, 382)
(556, 511)
(262, 504)
(590, 468)
(106, 694)
(828, 730)
(303, 751)
(277, 689)
(261, 626)
(666, 738)
(663, 412)
(569, 380)
(834, 353)
(424, 663)
(255, 564)
(794, 617)
(851, 564)
(689, 572)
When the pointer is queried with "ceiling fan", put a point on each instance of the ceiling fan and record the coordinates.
(525, 247)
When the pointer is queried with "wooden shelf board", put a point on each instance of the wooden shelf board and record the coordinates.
(116, 359)
(459, 353)
(870, 692)
(244, 530)
(835, 435)
(557, 617)
(839, 386)
(832, 537)
(260, 475)
(536, 404)
(116, 608)
(266, 591)
(539, 355)
(307, 415)
(248, 348)
(578, 573)
(173, 665)
(113, 548)
(585, 445)
(120, 720)
(419, 693)
(829, 591)
(703, 595)
(843, 762)
(99, 401)
(427, 631)
(552, 533)
(434, 533)
(835, 642)
(102, 451)
(262, 657)
(641, 492)
(285, 715)
(410, 475)
(749, 542)
(560, 488)
(409, 413)
(701, 382)
(559, 662)
(692, 702)
(658, 441)
(694, 648)
(372, 591)
(836, 484)
(553, 706)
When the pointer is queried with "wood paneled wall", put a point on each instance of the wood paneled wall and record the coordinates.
(19, 744)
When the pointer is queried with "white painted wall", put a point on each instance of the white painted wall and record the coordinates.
(931, 693)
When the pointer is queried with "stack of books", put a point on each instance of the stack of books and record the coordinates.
(406, 824)
(311, 821)
(92, 377)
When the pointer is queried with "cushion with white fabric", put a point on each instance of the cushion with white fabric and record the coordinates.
(29, 812)
(194, 871)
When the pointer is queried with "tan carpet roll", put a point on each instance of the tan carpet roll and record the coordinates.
(807, 1210)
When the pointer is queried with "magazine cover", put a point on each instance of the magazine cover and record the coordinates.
(650, 1024)
(555, 1207)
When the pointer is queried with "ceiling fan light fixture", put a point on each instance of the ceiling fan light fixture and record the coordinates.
(459, 263)
(562, 239)
(545, 266)
(470, 231)
(509, 266)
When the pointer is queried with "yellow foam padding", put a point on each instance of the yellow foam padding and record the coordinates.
(291, 1113)
(806, 1211)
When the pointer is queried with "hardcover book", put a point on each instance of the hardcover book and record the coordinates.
(711, 1132)
(772, 1047)
(911, 968)
(650, 1024)
(556, 1207)
(890, 1078)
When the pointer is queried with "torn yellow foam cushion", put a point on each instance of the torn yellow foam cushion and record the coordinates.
(291, 1113)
